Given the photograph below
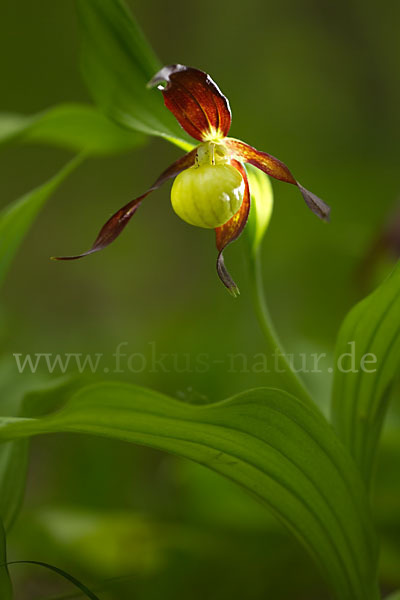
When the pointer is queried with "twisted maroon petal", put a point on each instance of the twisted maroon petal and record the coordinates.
(117, 223)
(277, 169)
(195, 100)
(231, 230)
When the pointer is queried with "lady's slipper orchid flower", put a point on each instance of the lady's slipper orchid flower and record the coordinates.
(211, 188)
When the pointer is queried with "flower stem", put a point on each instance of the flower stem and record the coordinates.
(282, 373)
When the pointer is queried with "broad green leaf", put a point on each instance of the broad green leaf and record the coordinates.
(370, 336)
(262, 201)
(24, 398)
(17, 217)
(13, 469)
(11, 124)
(117, 64)
(279, 449)
(13, 455)
(78, 127)
(5, 582)
(394, 596)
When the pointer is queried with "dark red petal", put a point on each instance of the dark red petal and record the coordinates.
(277, 169)
(195, 100)
(117, 223)
(231, 230)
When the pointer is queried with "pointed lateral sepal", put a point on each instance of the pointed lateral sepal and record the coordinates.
(195, 100)
(117, 223)
(231, 230)
(277, 169)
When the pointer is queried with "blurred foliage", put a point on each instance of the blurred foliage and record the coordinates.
(315, 83)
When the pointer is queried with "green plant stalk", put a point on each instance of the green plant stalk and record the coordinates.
(282, 372)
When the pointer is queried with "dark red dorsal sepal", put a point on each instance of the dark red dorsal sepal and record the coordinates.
(195, 100)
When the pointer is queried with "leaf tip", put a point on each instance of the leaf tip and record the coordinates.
(234, 291)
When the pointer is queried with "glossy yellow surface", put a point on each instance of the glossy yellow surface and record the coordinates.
(207, 195)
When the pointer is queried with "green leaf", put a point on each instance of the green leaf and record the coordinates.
(359, 397)
(6, 592)
(17, 217)
(78, 127)
(394, 596)
(11, 124)
(262, 201)
(13, 469)
(20, 395)
(281, 450)
(117, 64)
(13, 455)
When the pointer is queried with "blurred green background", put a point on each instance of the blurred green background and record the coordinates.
(315, 83)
